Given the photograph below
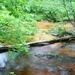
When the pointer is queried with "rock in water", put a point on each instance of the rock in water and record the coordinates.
(3, 59)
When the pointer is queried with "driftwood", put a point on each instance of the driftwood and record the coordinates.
(40, 43)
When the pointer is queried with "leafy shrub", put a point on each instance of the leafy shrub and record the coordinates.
(51, 10)
(57, 30)
(14, 31)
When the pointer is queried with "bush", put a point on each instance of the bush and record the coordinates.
(14, 31)
(58, 30)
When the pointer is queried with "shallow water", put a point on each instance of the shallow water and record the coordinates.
(30, 64)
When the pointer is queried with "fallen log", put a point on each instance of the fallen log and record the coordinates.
(40, 43)
(46, 42)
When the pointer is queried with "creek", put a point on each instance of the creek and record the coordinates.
(41, 60)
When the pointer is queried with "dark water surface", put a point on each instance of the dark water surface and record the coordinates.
(44, 60)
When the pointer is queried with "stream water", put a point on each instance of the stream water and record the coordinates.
(60, 61)
(44, 60)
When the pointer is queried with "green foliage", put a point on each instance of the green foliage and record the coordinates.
(51, 10)
(10, 54)
(14, 28)
(44, 9)
(58, 30)
(12, 73)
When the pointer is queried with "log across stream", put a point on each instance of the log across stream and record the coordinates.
(40, 43)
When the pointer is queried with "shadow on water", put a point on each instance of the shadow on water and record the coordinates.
(44, 60)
